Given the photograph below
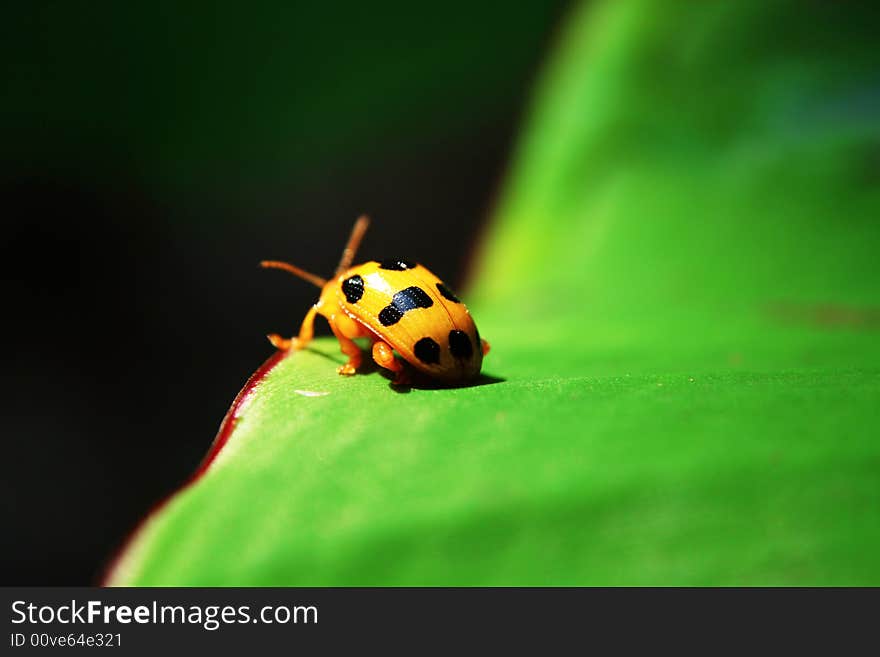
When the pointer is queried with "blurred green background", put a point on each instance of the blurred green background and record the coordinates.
(680, 285)
(152, 154)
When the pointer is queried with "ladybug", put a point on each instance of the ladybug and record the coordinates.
(400, 306)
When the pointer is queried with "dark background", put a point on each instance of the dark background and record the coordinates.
(151, 156)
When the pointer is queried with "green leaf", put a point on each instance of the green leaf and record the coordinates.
(682, 294)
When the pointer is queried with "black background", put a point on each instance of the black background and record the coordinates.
(153, 155)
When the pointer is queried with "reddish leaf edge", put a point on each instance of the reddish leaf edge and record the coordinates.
(224, 433)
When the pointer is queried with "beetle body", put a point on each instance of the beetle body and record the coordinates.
(400, 306)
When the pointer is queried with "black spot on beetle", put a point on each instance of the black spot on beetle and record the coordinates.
(390, 315)
(427, 351)
(353, 288)
(412, 297)
(397, 265)
(447, 293)
(460, 344)
(405, 300)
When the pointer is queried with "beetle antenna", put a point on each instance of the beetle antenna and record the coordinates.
(354, 241)
(296, 271)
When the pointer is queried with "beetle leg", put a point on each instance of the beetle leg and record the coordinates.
(345, 328)
(485, 346)
(384, 357)
(306, 332)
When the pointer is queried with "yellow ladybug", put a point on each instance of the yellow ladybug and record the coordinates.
(401, 306)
